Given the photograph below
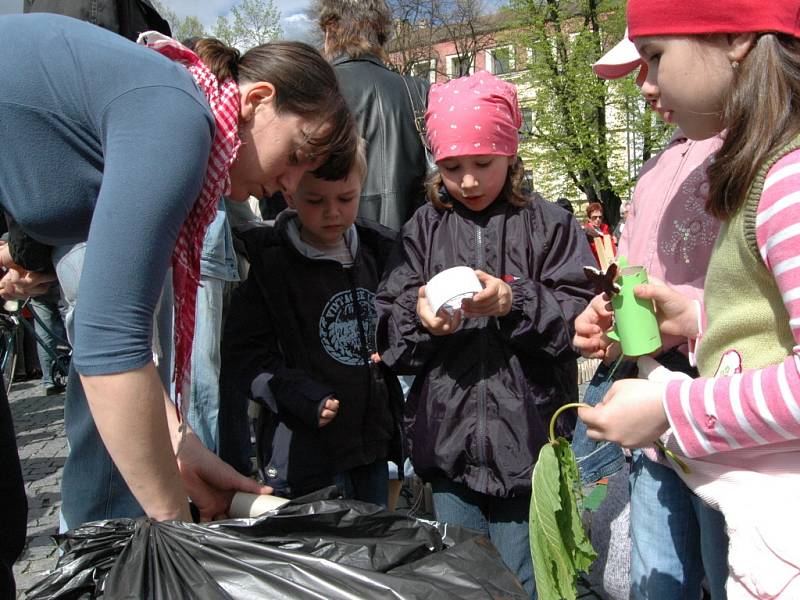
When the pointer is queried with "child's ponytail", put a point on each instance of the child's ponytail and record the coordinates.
(220, 58)
(761, 116)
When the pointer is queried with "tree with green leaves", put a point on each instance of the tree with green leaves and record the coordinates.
(588, 133)
(251, 23)
(182, 28)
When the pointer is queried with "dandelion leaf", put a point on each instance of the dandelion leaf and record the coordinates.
(559, 546)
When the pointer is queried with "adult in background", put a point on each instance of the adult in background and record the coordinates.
(388, 107)
(143, 154)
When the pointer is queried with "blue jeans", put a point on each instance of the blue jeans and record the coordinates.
(51, 334)
(676, 537)
(204, 400)
(368, 483)
(598, 459)
(91, 486)
(503, 520)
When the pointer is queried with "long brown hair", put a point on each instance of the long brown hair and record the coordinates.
(305, 85)
(761, 115)
(512, 189)
(354, 27)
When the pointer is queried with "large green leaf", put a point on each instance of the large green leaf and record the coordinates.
(559, 546)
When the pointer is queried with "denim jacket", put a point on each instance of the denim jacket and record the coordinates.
(218, 258)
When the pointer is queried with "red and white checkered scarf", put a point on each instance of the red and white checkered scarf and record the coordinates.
(223, 98)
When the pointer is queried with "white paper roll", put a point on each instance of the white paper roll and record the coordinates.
(449, 287)
(246, 505)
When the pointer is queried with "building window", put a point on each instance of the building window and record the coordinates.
(500, 60)
(425, 69)
(526, 128)
(458, 66)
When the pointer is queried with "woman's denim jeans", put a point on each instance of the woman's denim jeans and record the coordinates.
(91, 486)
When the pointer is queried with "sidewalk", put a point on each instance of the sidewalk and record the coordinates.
(39, 422)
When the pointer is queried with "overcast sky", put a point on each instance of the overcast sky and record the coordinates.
(294, 22)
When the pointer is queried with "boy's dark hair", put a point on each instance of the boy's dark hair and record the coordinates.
(513, 190)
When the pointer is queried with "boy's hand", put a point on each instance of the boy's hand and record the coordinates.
(493, 301)
(442, 323)
(329, 410)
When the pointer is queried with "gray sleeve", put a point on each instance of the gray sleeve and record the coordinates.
(156, 143)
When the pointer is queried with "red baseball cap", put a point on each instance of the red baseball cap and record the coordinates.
(692, 17)
(621, 60)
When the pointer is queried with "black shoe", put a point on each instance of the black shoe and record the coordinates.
(53, 390)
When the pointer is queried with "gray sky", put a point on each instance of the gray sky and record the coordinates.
(293, 20)
(10, 6)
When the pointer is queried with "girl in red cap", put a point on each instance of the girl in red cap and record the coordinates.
(732, 65)
(489, 374)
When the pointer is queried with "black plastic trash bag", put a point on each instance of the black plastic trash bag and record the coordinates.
(319, 549)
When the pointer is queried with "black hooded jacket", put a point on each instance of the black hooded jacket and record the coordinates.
(294, 337)
(483, 396)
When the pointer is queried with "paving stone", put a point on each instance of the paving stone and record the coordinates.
(39, 424)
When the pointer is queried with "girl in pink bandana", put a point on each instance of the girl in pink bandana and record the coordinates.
(490, 372)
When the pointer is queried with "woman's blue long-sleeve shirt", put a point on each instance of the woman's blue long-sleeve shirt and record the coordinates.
(105, 141)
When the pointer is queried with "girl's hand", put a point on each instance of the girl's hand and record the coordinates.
(329, 410)
(676, 313)
(210, 482)
(631, 414)
(442, 323)
(493, 301)
(591, 326)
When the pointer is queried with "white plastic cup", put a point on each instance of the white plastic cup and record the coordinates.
(246, 505)
(450, 287)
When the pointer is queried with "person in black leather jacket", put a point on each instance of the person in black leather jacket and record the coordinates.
(388, 107)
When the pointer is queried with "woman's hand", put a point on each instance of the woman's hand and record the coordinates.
(494, 300)
(631, 414)
(676, 313)
(591, 326)
(210, 482)
(442, 323)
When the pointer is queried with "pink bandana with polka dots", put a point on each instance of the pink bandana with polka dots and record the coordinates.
(473, 115)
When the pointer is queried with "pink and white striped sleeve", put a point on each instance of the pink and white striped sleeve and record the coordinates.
(760, 406)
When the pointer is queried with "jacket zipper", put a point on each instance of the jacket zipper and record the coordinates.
(480, 260)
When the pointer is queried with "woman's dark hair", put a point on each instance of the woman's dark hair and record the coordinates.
(512, 189)
(761, 115)
(565, 204)
(354, 27)
(305, 85)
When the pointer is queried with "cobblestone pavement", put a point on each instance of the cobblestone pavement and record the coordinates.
(39, 422)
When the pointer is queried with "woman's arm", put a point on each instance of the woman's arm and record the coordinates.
(128, 409)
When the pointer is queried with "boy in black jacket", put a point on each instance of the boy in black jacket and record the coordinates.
(299, 340)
